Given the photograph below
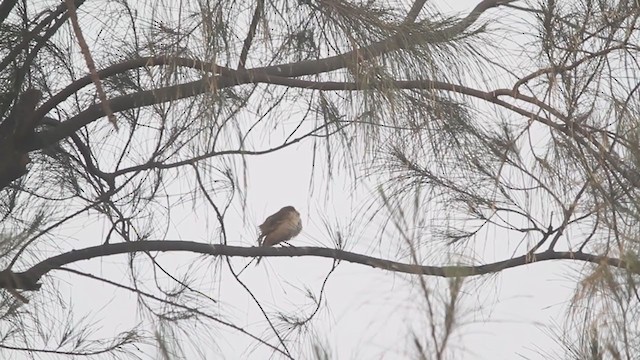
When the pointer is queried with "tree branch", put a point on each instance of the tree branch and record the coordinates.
(5, 8)
(252, 31)
(15, 130)
(396, 42)
(300, 68)
(28, 280)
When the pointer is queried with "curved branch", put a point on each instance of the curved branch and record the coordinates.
(5, 8)
(159, 165)
(399, 41)
(308, 67)
(20, 47)
(229, 77)
(28, 279)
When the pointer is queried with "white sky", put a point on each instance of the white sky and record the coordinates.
(368, 312)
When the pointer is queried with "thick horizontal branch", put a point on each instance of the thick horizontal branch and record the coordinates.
(228, 77)
(300, 68)
(264, 74)
(402, 40)
(28, 279)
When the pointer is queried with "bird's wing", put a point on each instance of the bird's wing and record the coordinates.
(289, 227)
(272, 222)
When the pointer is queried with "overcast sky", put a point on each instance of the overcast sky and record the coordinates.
(366, 313)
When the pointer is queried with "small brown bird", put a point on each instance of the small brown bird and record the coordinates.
(281, 226)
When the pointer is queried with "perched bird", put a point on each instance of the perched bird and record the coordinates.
(279, 227)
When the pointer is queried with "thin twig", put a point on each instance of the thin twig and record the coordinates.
(73, 15)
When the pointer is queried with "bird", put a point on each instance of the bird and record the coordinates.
(281, 226)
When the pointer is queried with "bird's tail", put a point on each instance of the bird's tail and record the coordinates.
(260, 239)
(260, 242)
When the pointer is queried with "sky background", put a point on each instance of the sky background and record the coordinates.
(366, 313)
